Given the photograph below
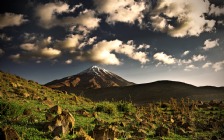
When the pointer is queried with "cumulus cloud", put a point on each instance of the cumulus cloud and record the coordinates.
(185, 53)
(39, 49)
(47, 13)
(104, 52)
(218, 66)
(69, 61)
(143, 46)
(199, 57)
(209, 44)
(215, 10)
(189, 61)
(127, 11)
(91, 40)
(48, 16)
(71, 41)
(50, 52)
(181, 18)
(11, 19)
(190, 68)
(15, 57)
(206, 65)
(29, 47)
(86, 18)
(131, 52)
(166, 59)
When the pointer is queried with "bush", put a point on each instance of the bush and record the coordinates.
(126, 107)
(10, 110)
(106, 107)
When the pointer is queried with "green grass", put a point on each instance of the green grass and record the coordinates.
(124, 117)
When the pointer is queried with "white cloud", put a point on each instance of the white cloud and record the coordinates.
(1, 52)
(143, 46)
(86, 18)
(11, 19)
(69, 61)
(29, 47)
(206, 65)
(185, 53)
(48, 12)
(199, 57)
(50, 52)
(91, 40)
(190, 68)
(127, 11)
(215, 10)
(130, 51)
(218, 66)
(190, 19)
(71, 41)
(166, 59)
(15, 57)
(104, 52)
(189, 61)
(209, 44)
(4, 37)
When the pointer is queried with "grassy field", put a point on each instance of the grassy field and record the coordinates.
(24, 104)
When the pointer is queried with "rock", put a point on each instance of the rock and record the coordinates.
(104, 133)
(59, 130)
(8, 133)
(48, 102)
(25, 94)
(62, 124)
(82, 135)
(49, 116)
(162, 131)
(55, 110)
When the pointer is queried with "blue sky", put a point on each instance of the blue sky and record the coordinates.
(142, 41)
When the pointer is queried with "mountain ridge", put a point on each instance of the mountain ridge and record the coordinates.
(156, 91)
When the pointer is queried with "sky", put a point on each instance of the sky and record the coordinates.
(140, 40)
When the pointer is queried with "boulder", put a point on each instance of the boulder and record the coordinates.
(61, 125)
(104, 133)
(8, 133)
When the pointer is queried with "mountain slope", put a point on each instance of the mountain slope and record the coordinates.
(91, 78)
(156, 91)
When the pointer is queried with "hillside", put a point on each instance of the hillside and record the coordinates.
(30, 111)
(156, 91)
(91, 78)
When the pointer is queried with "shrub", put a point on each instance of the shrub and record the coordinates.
(106, 107)
(10, 110)
(126, 107)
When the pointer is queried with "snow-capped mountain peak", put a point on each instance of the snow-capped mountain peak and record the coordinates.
(93, 77)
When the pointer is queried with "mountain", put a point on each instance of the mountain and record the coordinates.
(91, 78)
(156, 91)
